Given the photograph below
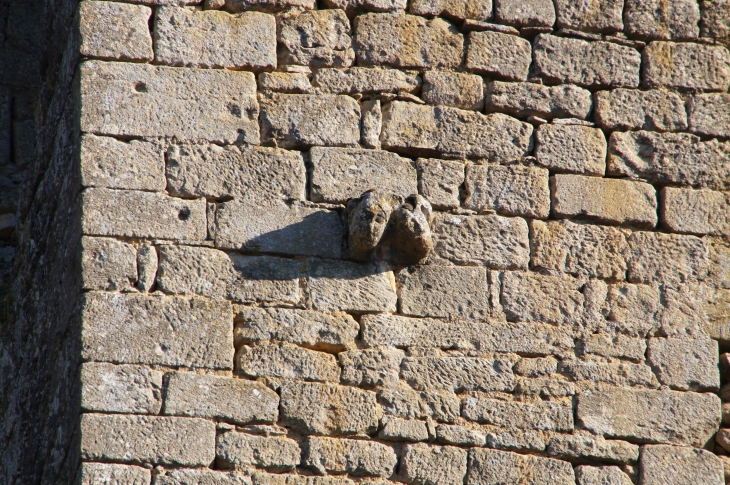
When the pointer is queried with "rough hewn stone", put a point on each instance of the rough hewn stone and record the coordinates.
(654, 19)
(539, 415)
(270, 479)
(578, 446)
(499, 55)
(235, 6)
(666, 258)
(460, 90)
(633, 109)
(530, 99)
(460, 9)
(537, 367)
(115, 31)
(286, 361)
(372, 367)
(371, 123)
(427, 465)
(356, 6)
(113, 388)
(532, 297)
(605, 475)
(686, 66)
(241, 450)
(107, 264)
(459, 435)
(439, 181)
(356, 457)
(618, 346)
(201, 477)
(347, 286)
(285, 82)
(591, 16)
(673, 465)
(715, 21)
(695, 211)
(365, 80)
(514, 439)
(515, 190)
(571, 149)
(458, 374)
(685, 364)
(317, 38)
(396, 429)
(620, 374)
(535, 13)
(709, 114)
(107, 473)
(403, 401)
(495, 467)
(107, 162)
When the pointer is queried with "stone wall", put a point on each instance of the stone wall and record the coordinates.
(567, 326)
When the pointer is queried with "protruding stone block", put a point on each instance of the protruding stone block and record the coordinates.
(499, 55)
(236, 6)
(204, 476)
(405, 402)
(135, 165)
(633, 109)
(680, 65)
(571, 149)
(715, 21)
(593, 475)
(357, 6)
(514, 190)
(110, 30)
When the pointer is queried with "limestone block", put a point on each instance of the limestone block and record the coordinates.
(407, 41)
(424, 464)
(459, 435)
(405, 402)
(241, 450)
(514, 190)
(315, 408)
(147, 439)
(107, 264)
(284, 229)
(654, 19)
(371, 123)
(686, 66)
(302, 120)
(356, 457)
(535, 13)
(270, 479)
(365, 80)
(649, 416)
(618, 346)
(147, 264)
(532, 338)
(135, 165)
(605, 200)
(127, 213)
(494, 467)
(532, 297)
(201, 477)
(145, 100)
(316, 330)
(460, 90)
(620, 374)
(140, 329)
(236, 6)
(490, 240)
(356, 6)
(536, 367)
(530, 99)
(715, 19)
(544, 387)
(685, 364)
(571, 447)
(111, 30)
(460, 9)
(339, 174)
(285, 82)
(499, 55)
(396, 429)
(230, 399)
(108, 473)
(701, 211)
(719, 271)
(458, 374)
(588, 64)
(186, 37)
(539, 415)
(666, 258)
(242, 173)
(342, 285)
(215, 274)
(439, 181)
(418, 129)
(286, 361)
(571, 149)
(695, 310)
(317, 38)
(514, 439)
(709, 114)
(674, 465)
(633, 109)
(604, 475)
(132, 389)
(371, 367)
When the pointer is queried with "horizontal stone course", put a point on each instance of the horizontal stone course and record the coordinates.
(579, 446)
(204, 476)
(478, 9)
(371, 367)
(685, 364)
(536, 13)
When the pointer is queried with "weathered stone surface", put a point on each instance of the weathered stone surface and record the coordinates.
(201, 477)
(539, 415)
(459, 435)
(537, 367)
(673, 465)
(405, 402)
(241, 450)
(365, 80)
(342, 285)
(356, 6)
(357, 457)
(295, 229)
(302, 120)
(107, 264)
(490, 240)
(460, 90)
(368, 218)
(715, 21)
(144, 100)
(709, 114)
(285, 82)
(605, 200)
(439, 181)
(591, 16)
(571, 149)
(413, 128)
(286, 361)
(701, 211)
(120, 388)
(249, 173)
(605, 475)
(317, 38)
(686, 66)
(685, 364)
(633, 109)
(495, 467)
(532, 297)
(147, 439)
(303, 327)
(618, 346)
(500, 55)
(666, 258)
(371, 123)
(147, 264)
(650, 416)
(544, 387)
(694, 310)
(460, 9)
(426, 465)
(621, 374)
(115, 31)
(107, 473)
(530, 99)
(578, 446)
(235, 400)
(271, 479)
(408, 239)
(654, 19)
(444, 291)
(396, 429)
(371, 368)
(126, 213)
(235, 6)
(107, 162)
(175, 331)
(589, 64)
(186, 37)
(514, 439)
(515, 190)
(407, 41)
(458, 374)
(330, 409)
(535, 13)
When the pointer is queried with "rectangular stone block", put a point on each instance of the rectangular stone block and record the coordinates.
(304, 120)
(459, 9)
(405, 402)
(493, 467)
(633, 109)
(396, 429)
(148, 439)
(339, 174)
(110, 30)
(594, 475)
(701, 211)
(605, 200)
(347, 286)
(532, 297)
(135, 165)
(572, 447)
(677, 465)
(616, 374)
(456, 89)
(205, 38)
(645, 416)
(715, 21)
(539, 415)
(499, 55)
(140, 329)
(439, 181)
(426, 130)
(592, 16)
(619, 346)
(458, 374)
(208, 396)
(107, 473)
(709, 114)
(571, 149)
(422, 464)
(107, 264)
(531, 99)
(356, 457)
(127, 213)
(145, 100)
(685, 364)
(518, 13)
(285, 82)
(654, 19)
(315, 38)
(666, 258)
(513, 439)
(203, 476)
(371, 367)
(683, 65)
(286, 361)
(284, 229)
(241, 450)
(365, 80)
(561, 60)
(515, 190)
(132, 389)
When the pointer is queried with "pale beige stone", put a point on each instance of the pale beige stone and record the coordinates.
(371, 123)
(536, 367)
(655, 19)
(460, 9)
(709, 114)
(342, 285)
(396, 429)
(405, 402)
(571, 149)
(515, 190)
(514, 439)
(614, 346)
(286, 361)
(532, 297)
(365, 80)
(604, 475)
(316, 38)
(371, 367)
(544, 387)
(496, 467)
(110, 388)
(111, 474)
(499, 55)
(685, 364)
(696, 310)
(673, 465)
(539, 415)
(666, 258)
(358, 458)
(535, 13)
(147, 264)
(701, 211)
(683, 65)
(241, 450)
(633, 109)
(619, 374)
(458, 374)
(459, 435)
(285, 82)
(203, 476)
(107, 264)
(135, 165)
(427, 464)
(235, 6)
(460, 90)
(357, 6)
(531, 99)
(270, 479)
(111, 30)
(439, 181)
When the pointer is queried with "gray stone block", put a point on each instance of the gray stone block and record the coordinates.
(405, 402)
(110, 388)
(571, 447)
(107, 264)
(571, 149)
(371, 367)
(460, 9)
(592, 475)
(439, 181)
